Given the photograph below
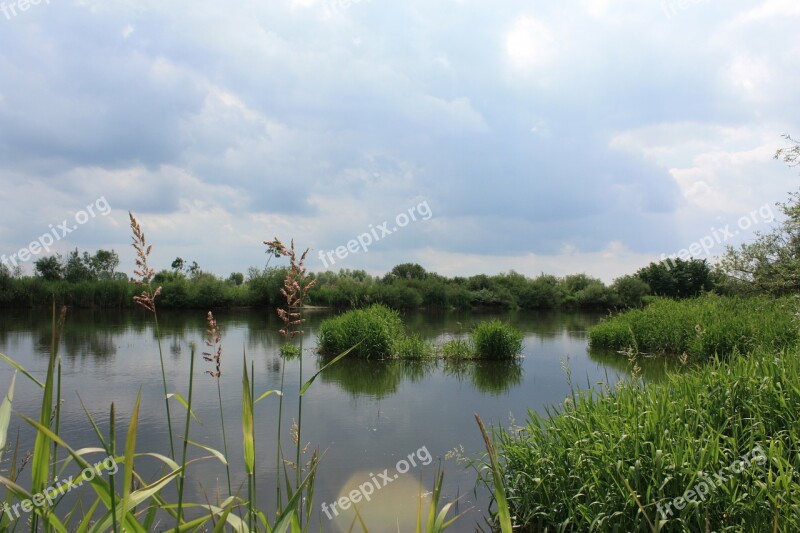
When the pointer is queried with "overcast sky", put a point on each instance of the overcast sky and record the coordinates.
(560, 137)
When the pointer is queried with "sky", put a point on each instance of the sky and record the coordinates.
(469, 136)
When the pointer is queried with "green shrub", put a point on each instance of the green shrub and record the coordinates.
(496, 340)
(376, 328)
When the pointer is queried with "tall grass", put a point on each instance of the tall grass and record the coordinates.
(605, 462)
(703, 328)
(496, 340)
(375, 329)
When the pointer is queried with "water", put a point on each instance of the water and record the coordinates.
(363, 416)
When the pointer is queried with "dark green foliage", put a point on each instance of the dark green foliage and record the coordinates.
(49, 268)
(676, 278)
(236, 278)
(265, 285)
(104, 264)
(543, 292)
(496, 340)
(409, 271)
(630, 291)
(408, 286)
(398, 296)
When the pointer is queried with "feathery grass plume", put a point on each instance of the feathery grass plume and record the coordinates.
(148, 300)
(148, 297)
(295, 287)
(214, 344)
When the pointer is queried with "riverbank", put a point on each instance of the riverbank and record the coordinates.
(668, 456)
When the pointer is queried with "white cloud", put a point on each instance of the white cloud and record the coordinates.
(529, 44)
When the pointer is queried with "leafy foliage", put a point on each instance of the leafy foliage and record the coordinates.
(496, 340)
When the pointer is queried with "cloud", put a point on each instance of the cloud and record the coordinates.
(601, 132)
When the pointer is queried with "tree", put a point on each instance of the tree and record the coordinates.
(104, 264)
(78, 267)
(178, 264)
(791, 154)
(194, 269)
(409, 271)
(236, 278)
(49, 268)
(676, 278)
(770, 264)
(541, 293)
(630, 290)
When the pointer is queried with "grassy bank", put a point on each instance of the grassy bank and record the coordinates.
(702, 327)
(580, 467)
(712, 449)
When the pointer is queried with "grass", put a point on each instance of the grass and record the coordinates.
(412, 346)
(375, 329)
(496, 340)
(703, 327)
(458, 349)
(580, 465)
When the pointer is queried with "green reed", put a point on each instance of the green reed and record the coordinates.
(610, 461)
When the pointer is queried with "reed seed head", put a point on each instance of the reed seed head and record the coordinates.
(213, 338)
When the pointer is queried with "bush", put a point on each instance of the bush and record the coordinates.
(496, 340)
(376, 328)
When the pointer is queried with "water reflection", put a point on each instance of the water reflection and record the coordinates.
(493, 377)
(379, 379)
(652, 368)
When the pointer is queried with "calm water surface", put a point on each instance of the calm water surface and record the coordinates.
(364, 416)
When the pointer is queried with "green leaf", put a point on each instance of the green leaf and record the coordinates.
(185, 405)
(130, 450)
(248, 433)
(219, 455)
(5, 415)
(21, 369)
(268, 393)
(503, 512)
